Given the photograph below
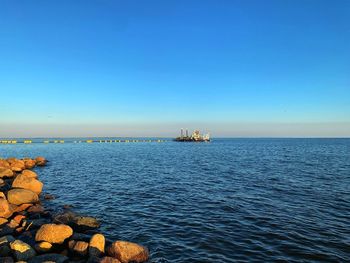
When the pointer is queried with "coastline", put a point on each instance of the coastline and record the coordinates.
(30, 232)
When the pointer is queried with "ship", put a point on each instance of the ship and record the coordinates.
(195, 137)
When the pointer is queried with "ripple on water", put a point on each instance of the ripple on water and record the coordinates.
(237, 200)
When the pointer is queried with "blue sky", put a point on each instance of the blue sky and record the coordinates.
(149, 67)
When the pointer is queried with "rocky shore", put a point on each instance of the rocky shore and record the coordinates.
(31, 233)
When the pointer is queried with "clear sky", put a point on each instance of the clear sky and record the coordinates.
(143, 68)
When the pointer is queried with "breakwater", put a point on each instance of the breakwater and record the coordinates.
(60, 141)
(31, 232)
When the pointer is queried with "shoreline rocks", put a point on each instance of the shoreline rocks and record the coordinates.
(30, 233)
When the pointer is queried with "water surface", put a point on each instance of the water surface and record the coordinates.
(231, 200)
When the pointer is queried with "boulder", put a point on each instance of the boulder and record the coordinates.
(6, 240)
(5, 208)
(97, 245)
(29, 163)
(4, 163)
(24, 182)
(22, 196)
(128, 252)
(52, 233)
(52, 258)
(40, 161)
(2, 195)
(2, 182)
(109, 260)
(22, 207)
(17, 165)
(80, 248)
(22, 251)
(29, 173)
(3, 221)
(6, 172)
(6, 230)
(36, 209)
(77, 222)
(43, 247)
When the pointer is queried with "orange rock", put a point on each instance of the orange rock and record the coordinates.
(40, 161)
(22, 196)
(4, 163)
(5, 208)
(22, 207)
(29, 173)
(128, 252)
(3, 221)
(53, 233)
(81, 248)
(22, 181)
(19, 218)
(29, 163)
(6, 172)
(97, 245)
(43, 247)
(17, 165)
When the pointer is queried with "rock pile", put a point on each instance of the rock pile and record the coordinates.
(29, 233)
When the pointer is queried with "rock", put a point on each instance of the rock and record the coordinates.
(128, 252)
(40, 161)
(4, 163)
(22, 207)
(49, 197)
(17, 165)
(78, 222)
(3, 221)
(2, 182)
(37, 223)
(109, 260)
(29, 174)
(80, 248)
(2, 195)
(6, 172)
(55, 258)
(97, 245)
(5, 208)
(6, 240)
(13, 224)
(19, 218)
(36, 209)
(24, 182)
(22, 196)
(80, 237)
(22, 251)
(52, 233)
(43, 247)
(6, 230)
(6, 260)
(29, 163)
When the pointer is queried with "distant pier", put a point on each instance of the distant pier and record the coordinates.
(58, 141)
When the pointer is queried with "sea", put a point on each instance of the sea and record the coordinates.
(230, 200)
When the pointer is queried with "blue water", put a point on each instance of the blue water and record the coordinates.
(231, 200)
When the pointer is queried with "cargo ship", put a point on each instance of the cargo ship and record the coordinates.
(195, 137)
